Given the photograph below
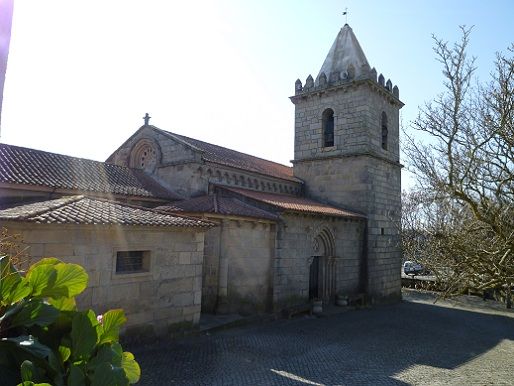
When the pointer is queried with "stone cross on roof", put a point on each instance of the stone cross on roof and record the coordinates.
(147, 119)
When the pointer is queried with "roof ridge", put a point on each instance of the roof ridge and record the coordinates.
(184, 139)
(293, 202)
(241, 202)
(49, 152)
(65, 155)
(153, 210)
(181, 139)
(75, 175)
(58, 203)
(133, 206)
(235, 189)
(224, 206)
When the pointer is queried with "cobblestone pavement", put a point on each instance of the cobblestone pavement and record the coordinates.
(411, 343)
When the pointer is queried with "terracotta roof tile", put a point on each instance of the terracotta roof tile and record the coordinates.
(222, 155)
(220, 205)
(19, 165)
(84, 210)
(294, 203)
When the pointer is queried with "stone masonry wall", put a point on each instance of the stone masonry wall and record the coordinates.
(248, 249)
(384, 253)
(357, 123)
(295, 249)
(340, 181)
(349, 121)
(376, 105)
(211, 268)
(183, 171)
(169, 293)
(194, 179)
(168, 150)
(370, 186)
(356, 173)
(238, 266)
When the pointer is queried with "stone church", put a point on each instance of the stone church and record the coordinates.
(170, 226)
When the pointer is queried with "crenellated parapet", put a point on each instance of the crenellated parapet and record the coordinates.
(336, 79)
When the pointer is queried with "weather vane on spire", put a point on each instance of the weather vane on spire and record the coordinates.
(345, 14)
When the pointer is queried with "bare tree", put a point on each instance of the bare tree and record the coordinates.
(466, 168)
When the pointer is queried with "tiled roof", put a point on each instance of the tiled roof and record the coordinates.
(222, 155)
(220, 205)
(20, 165)
(294, 203)
(84, 210)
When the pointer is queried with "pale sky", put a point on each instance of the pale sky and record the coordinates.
(81, 75)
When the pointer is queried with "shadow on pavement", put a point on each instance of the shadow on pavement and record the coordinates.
(368, 346)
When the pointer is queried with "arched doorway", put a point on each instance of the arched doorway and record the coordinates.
(314, 278)
(322, 268)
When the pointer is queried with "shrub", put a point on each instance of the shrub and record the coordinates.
(45, 340)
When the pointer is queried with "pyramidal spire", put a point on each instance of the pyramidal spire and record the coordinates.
(345, 60)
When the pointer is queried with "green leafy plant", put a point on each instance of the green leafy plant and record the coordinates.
(46, 340)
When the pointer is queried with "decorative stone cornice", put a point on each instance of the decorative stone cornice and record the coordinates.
(346, 85)
(348, 155)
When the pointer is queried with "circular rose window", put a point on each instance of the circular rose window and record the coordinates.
(144, 157)
(147, 159)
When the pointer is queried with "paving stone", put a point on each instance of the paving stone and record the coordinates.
(410, 343)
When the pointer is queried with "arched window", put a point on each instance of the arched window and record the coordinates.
(327, 120)
(384, 131)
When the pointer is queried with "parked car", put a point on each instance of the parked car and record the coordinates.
(413, 268)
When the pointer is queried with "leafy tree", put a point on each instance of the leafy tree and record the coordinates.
(465, 169)
(45, 340)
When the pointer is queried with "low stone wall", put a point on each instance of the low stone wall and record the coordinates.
(166, 295)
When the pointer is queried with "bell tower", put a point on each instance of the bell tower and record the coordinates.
(347, 152)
